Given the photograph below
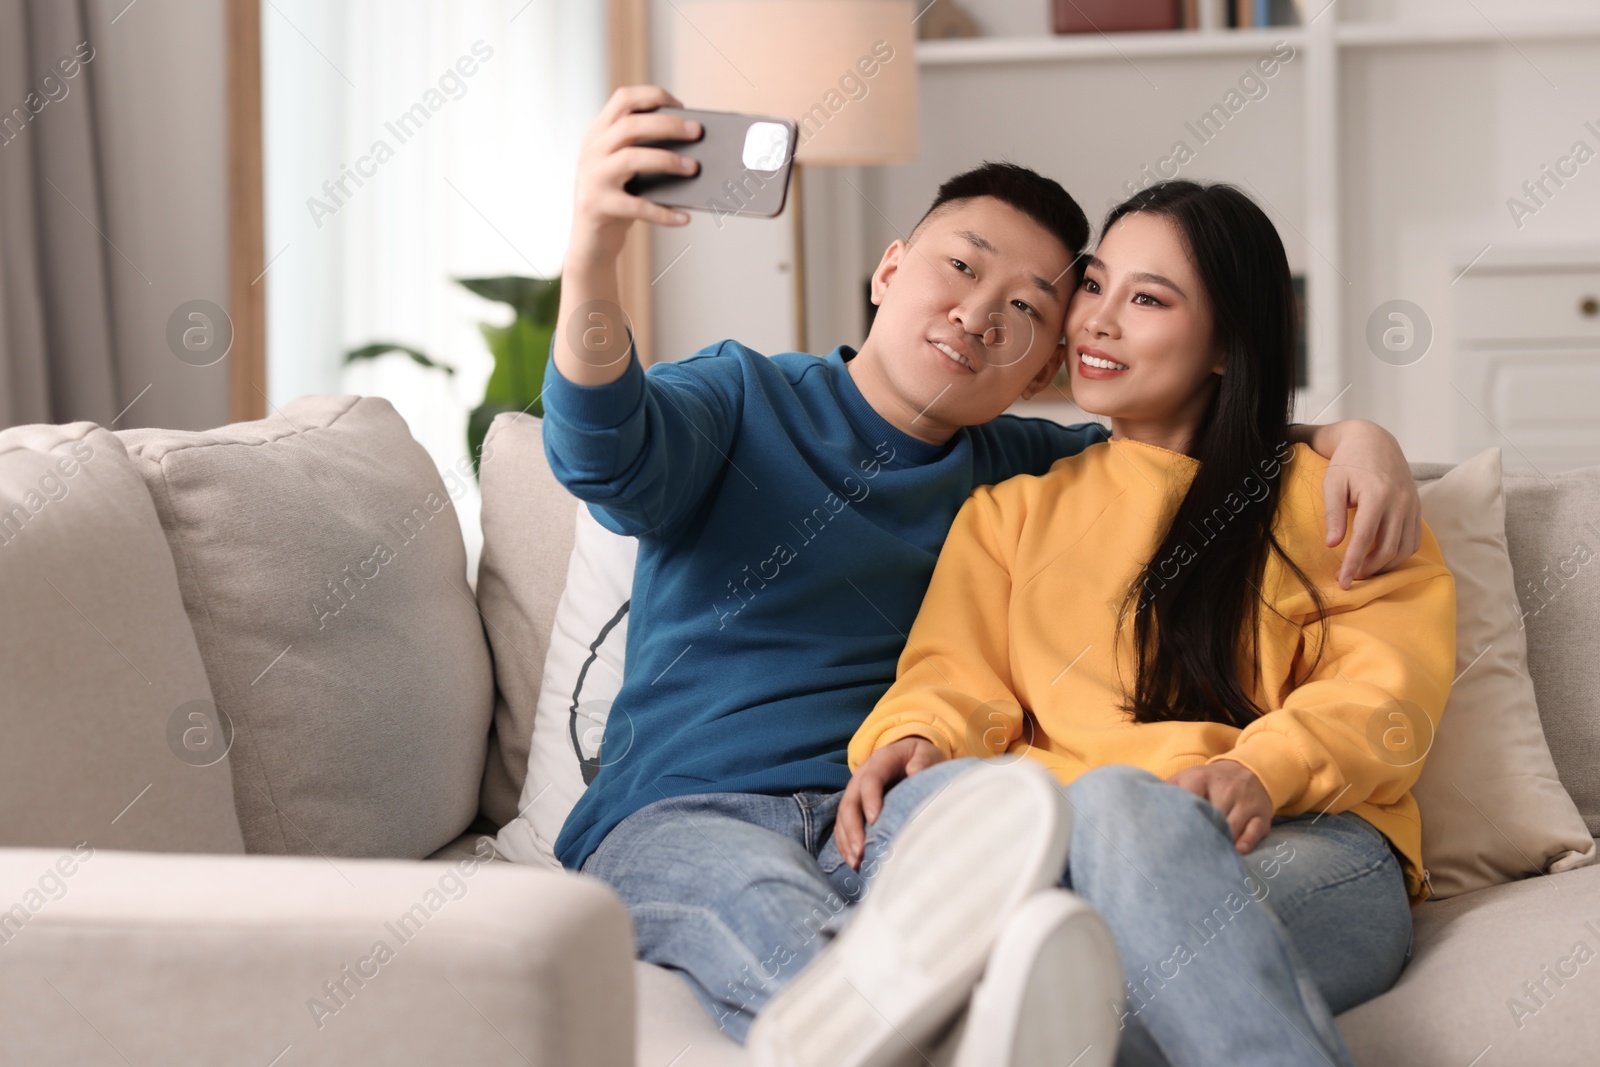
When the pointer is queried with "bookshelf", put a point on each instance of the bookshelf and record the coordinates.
(1186, 43)
(977, 50)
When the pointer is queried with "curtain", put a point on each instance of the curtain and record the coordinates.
(113, 211)
(57, 359)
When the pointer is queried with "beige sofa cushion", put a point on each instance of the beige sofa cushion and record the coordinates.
(528, 524)
(1553, 532)
(323, 570)
(99, 664)
(1493, 809)
(1512, 971)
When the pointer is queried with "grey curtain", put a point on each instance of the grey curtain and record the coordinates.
(57, 354)
(113, 209)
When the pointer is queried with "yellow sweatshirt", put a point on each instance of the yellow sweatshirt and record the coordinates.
(1012, 650)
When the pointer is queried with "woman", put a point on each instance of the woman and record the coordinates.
(1159, 622)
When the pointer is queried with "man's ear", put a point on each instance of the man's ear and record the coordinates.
(886, 268)
(1047, 372)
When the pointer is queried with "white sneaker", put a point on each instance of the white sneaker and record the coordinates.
(1048, 994)
(911, 954)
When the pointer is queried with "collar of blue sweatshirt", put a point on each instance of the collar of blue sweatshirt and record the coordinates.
(787, 533)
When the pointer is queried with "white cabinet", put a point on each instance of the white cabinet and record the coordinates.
(1528, 359)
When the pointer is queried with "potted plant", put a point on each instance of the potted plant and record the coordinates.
(520, 349)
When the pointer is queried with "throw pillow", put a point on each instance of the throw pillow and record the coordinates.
(582, 674)
(1493, 808)
(325, 577)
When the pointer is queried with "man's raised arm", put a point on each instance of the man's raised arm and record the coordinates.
(591, 344)
(643, 450)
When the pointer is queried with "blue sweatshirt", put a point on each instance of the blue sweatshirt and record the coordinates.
(787, 533)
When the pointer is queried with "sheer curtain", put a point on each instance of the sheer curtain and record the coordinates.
(408, 142)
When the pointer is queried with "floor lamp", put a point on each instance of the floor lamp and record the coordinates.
(844, 70)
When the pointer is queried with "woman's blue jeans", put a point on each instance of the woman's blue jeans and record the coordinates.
(1229, 959)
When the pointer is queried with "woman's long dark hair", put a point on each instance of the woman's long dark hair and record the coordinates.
(1199, 597)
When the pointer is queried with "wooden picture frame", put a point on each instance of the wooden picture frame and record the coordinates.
(247, 297)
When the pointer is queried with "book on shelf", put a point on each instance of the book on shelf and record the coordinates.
(1129, 16)
(1114, 16)
(1253, 14)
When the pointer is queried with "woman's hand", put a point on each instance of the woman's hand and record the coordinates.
(864, 794)
(1233, 789)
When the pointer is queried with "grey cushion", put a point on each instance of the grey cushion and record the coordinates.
(1459, 994)
(98, 660)
(527, 542)
(323, 570)
(1553, 532)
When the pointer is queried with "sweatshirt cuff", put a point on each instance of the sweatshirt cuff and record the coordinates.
(593, 407)
(925, 730)
(1275, 760)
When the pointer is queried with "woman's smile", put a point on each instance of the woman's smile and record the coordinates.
(1093, 363)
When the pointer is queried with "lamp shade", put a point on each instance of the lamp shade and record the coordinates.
(844, 70)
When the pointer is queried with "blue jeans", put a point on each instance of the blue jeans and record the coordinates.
(738, 892)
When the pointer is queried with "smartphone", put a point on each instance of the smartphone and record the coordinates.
(744, 165)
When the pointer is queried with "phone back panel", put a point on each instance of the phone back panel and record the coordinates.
(744, 165)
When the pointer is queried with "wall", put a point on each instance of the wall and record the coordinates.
(716, 280)
(1435, 143)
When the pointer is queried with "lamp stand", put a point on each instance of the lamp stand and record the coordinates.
(798, 222)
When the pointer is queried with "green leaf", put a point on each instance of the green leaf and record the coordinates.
(532, 298)
(380, 348)
(521, 351)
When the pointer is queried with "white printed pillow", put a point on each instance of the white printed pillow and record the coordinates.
(582, 674)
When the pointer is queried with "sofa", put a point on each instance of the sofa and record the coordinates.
(262, 729)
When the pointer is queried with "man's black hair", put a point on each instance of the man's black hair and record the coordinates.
(1041, 199)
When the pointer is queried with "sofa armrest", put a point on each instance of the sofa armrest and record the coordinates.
(116, 957)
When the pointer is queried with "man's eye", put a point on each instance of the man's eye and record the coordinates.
(961, 266)
(1026, 309)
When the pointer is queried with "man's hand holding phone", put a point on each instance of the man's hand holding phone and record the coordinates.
(609, 156)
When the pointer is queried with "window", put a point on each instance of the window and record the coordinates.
(408, 142)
